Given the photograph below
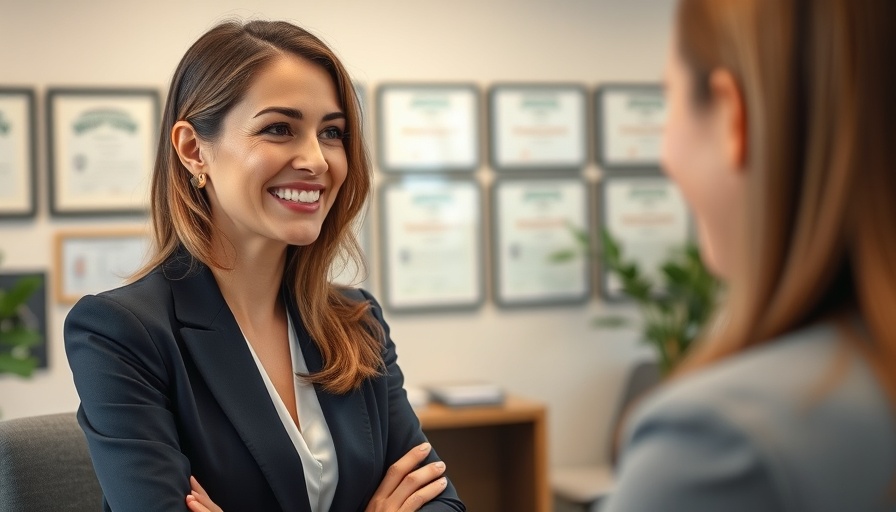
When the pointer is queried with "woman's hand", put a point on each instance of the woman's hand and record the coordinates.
(198, 500)
(405, 489)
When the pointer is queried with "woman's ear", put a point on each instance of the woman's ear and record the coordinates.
(187, 145)
(732, 116)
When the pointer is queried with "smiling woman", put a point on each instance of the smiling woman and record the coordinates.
(230, 360)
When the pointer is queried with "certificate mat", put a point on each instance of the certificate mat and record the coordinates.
(17, 153)
(534, 219)
(630, 120)
(538, 127)
(648, 217)
(428, 127)
(432, 250)
(102, 146)
(92, 262)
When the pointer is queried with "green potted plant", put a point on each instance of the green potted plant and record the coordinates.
(674, 307)
(17, 333)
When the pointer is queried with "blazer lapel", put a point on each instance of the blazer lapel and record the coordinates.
(219, 350)
(348, 419)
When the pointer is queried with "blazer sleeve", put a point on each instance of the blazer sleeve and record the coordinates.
(404, 427)
(125, 412)
(691, 460)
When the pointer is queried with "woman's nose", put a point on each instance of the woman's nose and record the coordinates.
(309, 157)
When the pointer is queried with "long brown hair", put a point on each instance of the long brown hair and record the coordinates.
(211, 78)
(818, 80)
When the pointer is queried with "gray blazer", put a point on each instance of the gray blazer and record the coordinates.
(759, 432)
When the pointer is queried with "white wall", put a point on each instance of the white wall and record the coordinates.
(552, 355)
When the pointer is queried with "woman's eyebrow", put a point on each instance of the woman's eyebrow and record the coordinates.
(297, 114)
(286, 111)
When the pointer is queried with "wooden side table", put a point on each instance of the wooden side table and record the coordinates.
(496, 455)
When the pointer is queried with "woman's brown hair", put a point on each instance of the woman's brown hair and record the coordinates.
(818, 80)
(211, 78)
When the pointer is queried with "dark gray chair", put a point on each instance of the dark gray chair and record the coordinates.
(581, 488)
(45, 466)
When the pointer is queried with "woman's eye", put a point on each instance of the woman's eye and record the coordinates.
(332, 133)
(280, 129)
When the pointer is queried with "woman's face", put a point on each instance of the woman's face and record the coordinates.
(697, 155)
(276, 169)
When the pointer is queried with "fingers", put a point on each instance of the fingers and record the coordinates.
(198, 500)
(194, 486)
(398, 471)
(407, 487)
(420, 486)
(424, 495)
(194, 505)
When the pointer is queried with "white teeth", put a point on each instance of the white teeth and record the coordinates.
(298, 196)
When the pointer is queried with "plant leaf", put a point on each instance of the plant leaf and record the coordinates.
(564, 255)
(19, 366)
(611, 322)
(610, 247)
(20, 337)
(18, 295)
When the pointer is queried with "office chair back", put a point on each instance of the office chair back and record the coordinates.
(644, 376)
(44, 466)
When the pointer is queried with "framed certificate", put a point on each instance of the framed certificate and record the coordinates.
(432, 245)
(102, 146)
(427, 128)
(532, 220)
(648, 217)
(94, 261)
(538, 127)
(630, 121)
(18, 176)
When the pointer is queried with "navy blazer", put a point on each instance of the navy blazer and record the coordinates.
(169, 388)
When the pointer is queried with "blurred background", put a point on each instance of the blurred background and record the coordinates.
(553, 355)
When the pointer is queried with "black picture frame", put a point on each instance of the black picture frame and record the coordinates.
(24, 203)
(114, 107)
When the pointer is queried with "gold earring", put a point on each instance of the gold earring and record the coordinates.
(198, 181)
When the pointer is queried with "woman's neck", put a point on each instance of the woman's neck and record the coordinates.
(251, 284)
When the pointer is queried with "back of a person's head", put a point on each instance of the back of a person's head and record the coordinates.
(818, 83)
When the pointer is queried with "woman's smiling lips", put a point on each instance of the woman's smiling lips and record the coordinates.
(303, 197)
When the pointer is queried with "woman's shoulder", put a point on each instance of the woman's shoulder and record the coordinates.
(146, 297)
(153, 286)
(806, 404)
(804, 371)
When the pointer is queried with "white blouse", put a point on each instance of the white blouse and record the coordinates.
(313, 442)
